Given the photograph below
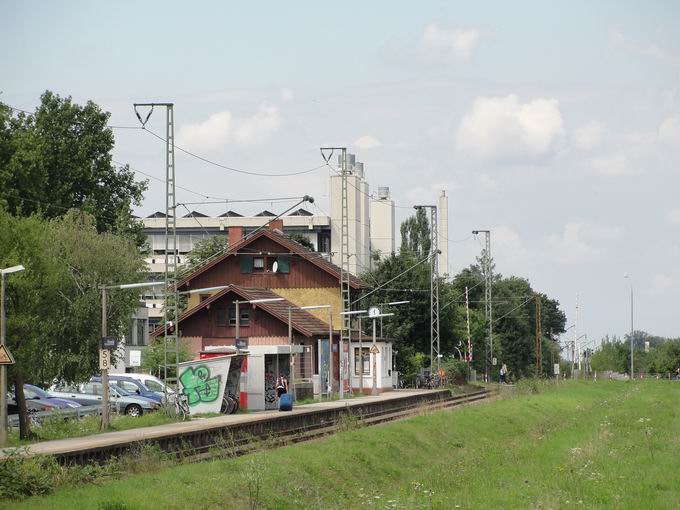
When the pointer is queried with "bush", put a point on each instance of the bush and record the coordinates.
(22, 476)
(456, 370)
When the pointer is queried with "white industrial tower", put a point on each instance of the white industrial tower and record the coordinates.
(443, 235)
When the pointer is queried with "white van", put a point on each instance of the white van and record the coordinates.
(153, 383)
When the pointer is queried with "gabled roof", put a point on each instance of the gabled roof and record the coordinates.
(231, 214)
(265, 213)
(157, 214)
(303, 321)
(295, 248)
(195, 214)
(301, 212)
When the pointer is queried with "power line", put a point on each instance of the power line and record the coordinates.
(29, 113)
(232, 169)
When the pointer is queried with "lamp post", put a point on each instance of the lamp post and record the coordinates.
(392, 303)
(361, 353)
(106, 418)
(630, 280)
(374, 313)
(330, 340)
(3, 368)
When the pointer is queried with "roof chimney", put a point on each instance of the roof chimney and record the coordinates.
(235, 234)
(276, 225)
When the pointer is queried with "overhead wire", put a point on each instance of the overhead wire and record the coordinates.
(230, 168)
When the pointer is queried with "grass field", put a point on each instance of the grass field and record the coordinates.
(582, 445)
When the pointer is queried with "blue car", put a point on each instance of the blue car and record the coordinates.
(132, 386)
(34, 393)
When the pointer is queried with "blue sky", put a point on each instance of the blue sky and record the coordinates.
(554, 124)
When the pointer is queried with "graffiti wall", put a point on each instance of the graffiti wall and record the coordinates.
(203, 382)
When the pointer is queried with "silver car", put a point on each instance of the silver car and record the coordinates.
(91, 394)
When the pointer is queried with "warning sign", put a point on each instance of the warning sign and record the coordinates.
(6, 357)
(374, 350)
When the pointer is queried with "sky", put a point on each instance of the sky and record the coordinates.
(556, 125)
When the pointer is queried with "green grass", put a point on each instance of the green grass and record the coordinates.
(57, 428)
(581, 445)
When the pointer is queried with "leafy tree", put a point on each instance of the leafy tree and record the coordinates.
(205, 249)
(415, 234)
(300, 239)
(54, 306)
(59, 158)
(153, 358)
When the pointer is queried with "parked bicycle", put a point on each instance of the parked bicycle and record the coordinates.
(182, 406)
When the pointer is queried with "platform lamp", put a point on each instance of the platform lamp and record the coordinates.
(361, 357)
(3, 368)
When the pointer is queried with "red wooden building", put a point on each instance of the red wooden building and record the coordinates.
(264, 266)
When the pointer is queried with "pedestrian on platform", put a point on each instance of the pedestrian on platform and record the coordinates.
(281, 385)
(504, 373)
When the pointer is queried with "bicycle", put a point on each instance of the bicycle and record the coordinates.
(182, 406)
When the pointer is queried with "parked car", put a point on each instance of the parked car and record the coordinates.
(91, 393)
(34, 393)
(151, 382)
(31, 405)
(132, 386)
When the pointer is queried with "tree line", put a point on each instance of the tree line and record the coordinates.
(513, 305)
(651, 354)
(66, 216)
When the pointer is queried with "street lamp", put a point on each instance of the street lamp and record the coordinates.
(393, 303)
(361, 354)
(104, 349)
(3, 368)
(630, 280)
(330, 342)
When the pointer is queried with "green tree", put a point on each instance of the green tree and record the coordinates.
(54, 306)
(205, 249)
(415, 234)
(300, 239)
(59, 158)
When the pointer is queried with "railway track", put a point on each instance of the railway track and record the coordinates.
(212, 438)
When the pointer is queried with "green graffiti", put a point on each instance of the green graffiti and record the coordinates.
(199, 386)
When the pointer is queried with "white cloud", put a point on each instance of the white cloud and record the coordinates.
(367, 142)
(618, 41)
(487, 183)
(589, 136)
(509, 250)
(612, 166)
(439, 45)
(673, 216)
(287, 95)
(664, 281)
(581, 242)
(669, 131)
(503, 127)
(222, 129)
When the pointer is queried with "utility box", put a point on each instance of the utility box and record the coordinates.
(205, 382)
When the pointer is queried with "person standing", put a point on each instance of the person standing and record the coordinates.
(504, 373)
(281, 385)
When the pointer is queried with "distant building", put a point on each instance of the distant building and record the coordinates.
(371, 229)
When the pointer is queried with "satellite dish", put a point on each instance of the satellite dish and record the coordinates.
(275, 266)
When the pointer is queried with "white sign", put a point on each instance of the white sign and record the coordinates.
(646, 346)
(135, 358)
(494, 361)
(373, 311)
(556, 369)
(104, 359)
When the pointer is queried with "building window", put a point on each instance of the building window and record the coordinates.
(245, 316)
(221, 317)
(258, 264)
(367, 361)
